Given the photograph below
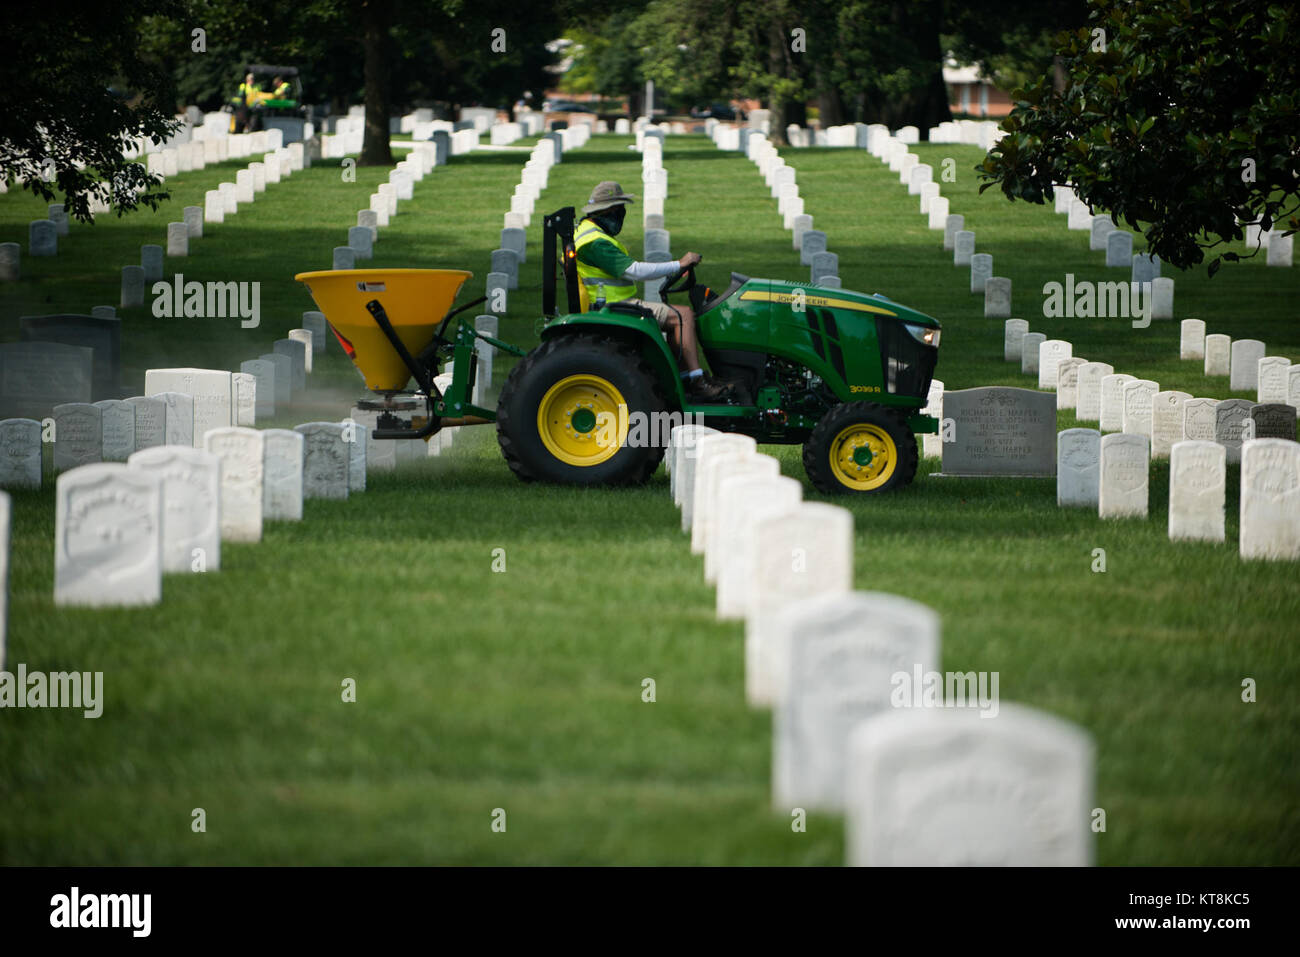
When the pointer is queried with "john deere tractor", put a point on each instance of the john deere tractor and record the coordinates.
(843, 373)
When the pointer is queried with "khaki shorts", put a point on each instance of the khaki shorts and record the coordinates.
(664, 314)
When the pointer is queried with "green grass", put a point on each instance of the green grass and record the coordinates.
(522, 690)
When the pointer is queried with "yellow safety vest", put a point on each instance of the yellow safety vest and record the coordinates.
(594, 282)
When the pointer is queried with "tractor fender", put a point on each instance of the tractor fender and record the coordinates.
(640, 333)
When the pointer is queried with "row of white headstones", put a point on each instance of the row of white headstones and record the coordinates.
(1199, 436)
(419, 162)
(1198, 474)
(838, 668)
(505, 261)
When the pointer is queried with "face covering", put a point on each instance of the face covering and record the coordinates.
(611, 220)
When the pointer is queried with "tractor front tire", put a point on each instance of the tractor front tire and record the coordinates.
(860, 447)
(566, 408)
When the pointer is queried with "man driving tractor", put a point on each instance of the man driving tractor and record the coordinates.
(608, 274)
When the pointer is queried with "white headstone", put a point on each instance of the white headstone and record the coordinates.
(240, 451)
(1112, 400)
(108, 536)
(282, 379)
(747, 500)
(118, 428)
(1067, 382)
(357, 436)
(305, 337)
(1246, 354)
(282, 475)
(20, 456)
(1166, 421)
(1078, 468)
(722, 537)
(1125, 476)
(1270, 499)
(682, 444)
(839, 657)
(952, 225)
(1198, 479)
(211, 389)
(1218, 351)
(963, 247)
(325, 460)
(944, 787)
(1029, 352)
(693, 460)
(801, 553)
(1088, 401)
(981, 268)
(1138, 396)
(191, 483)
(263, 373)
(997, 297)
(244, 389)
(178, 239)
(1013, 337)
(1271, 379)
(1119, 249)
(150, 421)
(1101, 227)
(932, 444)
(78, 435)
(1191, 339)
(1199, 419)
(1050, 353)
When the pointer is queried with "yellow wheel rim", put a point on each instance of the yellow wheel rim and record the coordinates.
(582, 420)
(863, 456)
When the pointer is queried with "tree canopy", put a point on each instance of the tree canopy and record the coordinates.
(1179, 119)
(73, 94)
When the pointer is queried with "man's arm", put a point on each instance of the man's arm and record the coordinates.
(606, 256)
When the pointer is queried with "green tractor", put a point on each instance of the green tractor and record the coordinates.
(842, 373)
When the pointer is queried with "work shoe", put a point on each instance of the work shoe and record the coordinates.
(701, 388)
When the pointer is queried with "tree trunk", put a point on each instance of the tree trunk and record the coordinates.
(926, 104)
(376, 20)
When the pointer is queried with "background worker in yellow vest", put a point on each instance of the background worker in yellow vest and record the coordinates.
(609, 273)
(243, 102)
(280, 88)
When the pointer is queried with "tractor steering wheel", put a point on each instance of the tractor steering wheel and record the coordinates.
(684, 282)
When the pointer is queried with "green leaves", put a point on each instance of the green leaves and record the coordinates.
(1221, 94)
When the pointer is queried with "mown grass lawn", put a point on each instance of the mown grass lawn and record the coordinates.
(521, 690)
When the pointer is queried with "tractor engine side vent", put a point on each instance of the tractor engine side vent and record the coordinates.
(815, 334)
(832, 342)
(906, 365)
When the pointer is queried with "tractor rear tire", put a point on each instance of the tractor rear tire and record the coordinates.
(558, 419)
(860, 447)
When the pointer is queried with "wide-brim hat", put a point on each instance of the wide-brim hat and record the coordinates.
(605, 195)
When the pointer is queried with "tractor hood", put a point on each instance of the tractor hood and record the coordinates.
(778, 290)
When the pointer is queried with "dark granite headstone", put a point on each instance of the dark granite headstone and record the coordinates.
(37, 376)
(1230, 417)
(441, 147)
(1274, 420)
(558, 141)
(103, 334)
(1000, 431)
